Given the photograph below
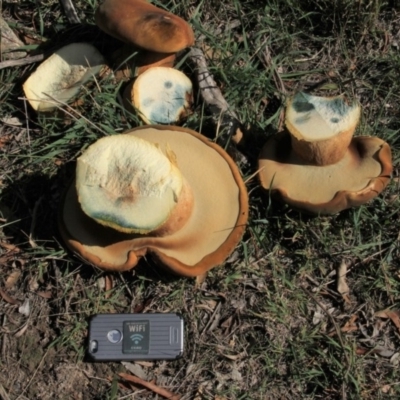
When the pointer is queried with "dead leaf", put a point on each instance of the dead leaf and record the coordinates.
(135, 369)
(21, 331)
(342, 286)
(394, 315)
(385, 389)
(361, 351)
(318, 316)
(395, 359)
(8, 298)
(147, 364)
(350, 325)
(12, 279)
(10, 247)
(25, 308)
(380, 350)
(45, 295)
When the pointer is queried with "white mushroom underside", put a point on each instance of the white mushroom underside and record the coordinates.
(318, 118)
(128, 182)
(59, 78)
(161, 95)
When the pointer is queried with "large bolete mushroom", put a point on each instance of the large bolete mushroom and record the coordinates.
(214, 208)
(303, 168)
(60, 77)
(158, 34)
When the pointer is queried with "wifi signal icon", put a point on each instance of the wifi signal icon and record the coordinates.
(136, 338)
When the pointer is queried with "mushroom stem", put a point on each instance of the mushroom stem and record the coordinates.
(321, 128)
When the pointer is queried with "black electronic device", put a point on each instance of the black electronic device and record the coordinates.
(123, 337)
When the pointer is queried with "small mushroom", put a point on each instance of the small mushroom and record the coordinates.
(59, 78)
(157, 33)
(160, 95)
(299, 166)
(210, 232)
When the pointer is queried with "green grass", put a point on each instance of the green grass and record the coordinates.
(251, 327)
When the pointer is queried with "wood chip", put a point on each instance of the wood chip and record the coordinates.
(394, 316)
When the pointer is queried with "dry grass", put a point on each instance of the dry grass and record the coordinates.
(270, 323)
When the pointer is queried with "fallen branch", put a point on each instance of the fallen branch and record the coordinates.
(156, 389)
(22, 61)
(222, 114)
(70, 12)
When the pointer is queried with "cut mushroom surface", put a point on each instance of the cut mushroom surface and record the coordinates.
(359, 176)
(161, 95)
(214, 228)
(321, 128)
(59, 78)
(136, 185)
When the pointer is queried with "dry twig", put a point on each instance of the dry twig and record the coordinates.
(70, 12)
(222, 114)
(156, 389)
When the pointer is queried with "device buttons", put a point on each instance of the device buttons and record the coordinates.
(173, 335)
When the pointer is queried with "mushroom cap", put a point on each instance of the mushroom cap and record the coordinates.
(60, 77)
(321, 128)
(358, 177)
(213, 230)
(136, 185)
(144, 25)
(127, 67)
(161, 95)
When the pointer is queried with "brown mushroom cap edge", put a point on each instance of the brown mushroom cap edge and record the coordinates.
(343, 199)
(209, 261)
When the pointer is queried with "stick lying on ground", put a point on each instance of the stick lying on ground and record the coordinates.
(156, 389)
(224, 117)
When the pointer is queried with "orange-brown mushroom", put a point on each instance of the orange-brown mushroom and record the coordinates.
(308, 174)
(214, 228)
(157, 33)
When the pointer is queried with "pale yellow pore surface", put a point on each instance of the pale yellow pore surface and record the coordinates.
(128, 183)
(318, 184)
(215, 211)
(318, 118)
(60, 77)
(162, 95)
